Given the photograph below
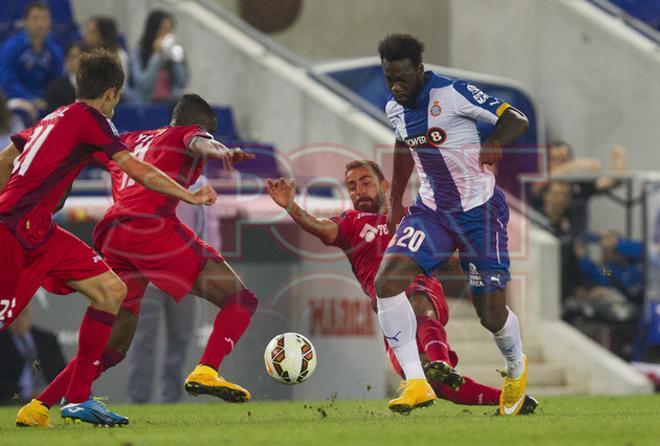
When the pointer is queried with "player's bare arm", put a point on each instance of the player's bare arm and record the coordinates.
(210, 148)
(282, 192)
(510, 126)
(403, 168)
(154, 179)
(7, 157)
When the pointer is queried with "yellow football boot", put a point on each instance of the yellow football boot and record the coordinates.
(513, 393)
(33, 414)
(204, 380)
(415, 393)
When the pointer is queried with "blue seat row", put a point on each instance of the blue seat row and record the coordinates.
(142, 116)
(647, 11)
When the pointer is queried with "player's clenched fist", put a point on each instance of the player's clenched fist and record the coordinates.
(205, 195)
(281, 191)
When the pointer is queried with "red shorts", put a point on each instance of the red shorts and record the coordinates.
(162, 251)
(432, 288)
(63, 258)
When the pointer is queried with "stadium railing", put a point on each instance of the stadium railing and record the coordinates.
(637, 196)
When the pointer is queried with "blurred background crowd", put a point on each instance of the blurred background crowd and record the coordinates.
(39, 54)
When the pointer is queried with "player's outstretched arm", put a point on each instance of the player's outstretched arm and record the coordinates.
(154, 179)
(282, 192)
(510, 126)
(210, 148)
(7, 157)
(403, 168)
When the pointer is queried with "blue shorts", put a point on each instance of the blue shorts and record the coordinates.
(430, 237)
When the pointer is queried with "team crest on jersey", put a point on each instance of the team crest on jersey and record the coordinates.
(435, 109)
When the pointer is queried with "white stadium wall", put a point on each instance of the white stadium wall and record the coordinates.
(596, 78)
(313, 35)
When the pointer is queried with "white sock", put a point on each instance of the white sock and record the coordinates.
(509, 343)
(399, 325)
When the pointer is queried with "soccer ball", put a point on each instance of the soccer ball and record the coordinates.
(290, 358)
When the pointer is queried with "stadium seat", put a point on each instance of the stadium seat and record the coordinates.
(226, 127)
(645, 10)
(141, 116)
(649, 330)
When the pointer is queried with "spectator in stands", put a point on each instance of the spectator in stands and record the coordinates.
(62, 91)
(621, 267)
(10, 123)
(158, 68)
(31, 358)
(30, 59)
(101, 32)
(561, 162)
(557, 205)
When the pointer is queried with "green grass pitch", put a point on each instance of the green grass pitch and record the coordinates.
(625, 421)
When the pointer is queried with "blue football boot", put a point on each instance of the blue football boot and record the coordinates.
(93, 412)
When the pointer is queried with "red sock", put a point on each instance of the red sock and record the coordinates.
(58, 387)
(229, 325)
(54, 392)
(470, 393)
(92, 339)
(432, 339)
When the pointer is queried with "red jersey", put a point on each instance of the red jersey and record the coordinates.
(53, 153)
(167, 149)
(364, 237)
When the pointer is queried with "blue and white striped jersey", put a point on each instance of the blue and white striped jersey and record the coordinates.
(441, 132)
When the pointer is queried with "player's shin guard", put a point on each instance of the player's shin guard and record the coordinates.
(55, 391)
(93, 337)
(509, 342)
(471, 393)
(229, 325)
(399, 325)
(431, 336)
